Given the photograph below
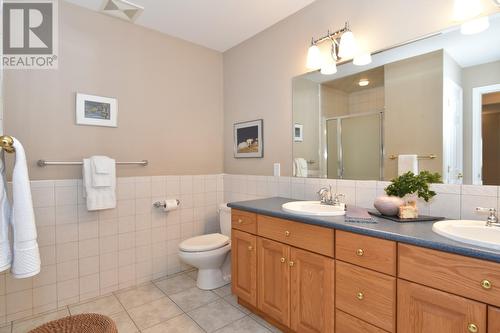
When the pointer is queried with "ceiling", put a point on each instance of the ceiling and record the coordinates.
(216, 24)
(350, 84)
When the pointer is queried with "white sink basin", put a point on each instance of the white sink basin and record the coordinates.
(470, 232)
(313, 208)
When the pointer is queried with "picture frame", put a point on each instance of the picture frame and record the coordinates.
(298, 132)
(249, 139)
(96, 110)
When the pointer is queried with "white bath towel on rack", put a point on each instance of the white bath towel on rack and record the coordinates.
(407, 163)
(102, 169)
(99, 197)
(5, 251)
(26, 256)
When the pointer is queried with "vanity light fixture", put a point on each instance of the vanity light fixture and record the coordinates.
(468, 12)
(344, 47)
(363, 82)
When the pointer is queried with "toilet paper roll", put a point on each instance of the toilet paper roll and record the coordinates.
(171, 204)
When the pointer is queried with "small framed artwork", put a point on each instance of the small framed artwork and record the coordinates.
(248, 139)
(298, 133)
(96, 110)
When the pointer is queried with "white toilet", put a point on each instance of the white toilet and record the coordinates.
(211, 254)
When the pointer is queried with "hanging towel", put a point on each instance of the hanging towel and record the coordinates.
(99, 197)
(26, 257)
(5, 252)
(407, 163)
(300, 167)
(102, 167)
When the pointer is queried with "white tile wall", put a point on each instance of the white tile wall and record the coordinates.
(87, 254)
(452, 201)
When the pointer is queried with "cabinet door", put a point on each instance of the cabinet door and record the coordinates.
(274, 280)
(244, 266)
(493, 320)
(312, 292)
(423, 310)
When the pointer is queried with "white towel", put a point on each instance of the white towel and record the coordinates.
(102, 197)
(407, 163)
(26, 257)
(300, 167)
(5, 251)
(102, 168)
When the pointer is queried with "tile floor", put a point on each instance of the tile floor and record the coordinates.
(173, 304)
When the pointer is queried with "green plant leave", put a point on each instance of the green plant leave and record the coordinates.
(409, 183)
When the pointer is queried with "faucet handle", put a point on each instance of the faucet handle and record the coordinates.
(492, 218)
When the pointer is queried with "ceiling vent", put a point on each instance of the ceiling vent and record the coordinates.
(122, 9)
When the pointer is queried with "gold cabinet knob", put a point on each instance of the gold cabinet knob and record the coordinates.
(250, 248)
(486, 284)
(282, 259)
(472, 328)
(291, 263)
(240, 221)
(287, 233)
(360, 296)
(360, 252)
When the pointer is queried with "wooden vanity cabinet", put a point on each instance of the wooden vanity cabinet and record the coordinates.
(244, 268)
(423, 309)
(493, 320)
(285, 271)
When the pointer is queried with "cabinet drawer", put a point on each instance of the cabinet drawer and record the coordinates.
(366, 294)
(346, 323)
(244, 221)
(374, 253)
(472, 278)
(305, 236)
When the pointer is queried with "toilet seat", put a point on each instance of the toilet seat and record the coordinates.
(204, 243)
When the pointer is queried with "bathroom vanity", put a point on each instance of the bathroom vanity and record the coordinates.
(321, 274)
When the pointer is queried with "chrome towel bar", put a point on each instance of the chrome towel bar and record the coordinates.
(43, 163)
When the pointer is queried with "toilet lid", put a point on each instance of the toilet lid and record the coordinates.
(204, 243)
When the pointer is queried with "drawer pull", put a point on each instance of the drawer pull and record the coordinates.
(486, 284)
(287, 233)
(360, 296)
(282, 260)
(360, 252)
(250, 248)
(291, 263)
(472, 328)
(240, 221)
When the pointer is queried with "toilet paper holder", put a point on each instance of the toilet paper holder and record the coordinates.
(163, 204)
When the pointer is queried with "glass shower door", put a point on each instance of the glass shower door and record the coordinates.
(361, 141)
(332, 144)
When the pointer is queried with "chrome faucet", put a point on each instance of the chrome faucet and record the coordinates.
(327, 197)
(492, 220)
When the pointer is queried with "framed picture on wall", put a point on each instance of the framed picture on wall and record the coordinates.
(96, 110)
(248, 139)
(298, 133)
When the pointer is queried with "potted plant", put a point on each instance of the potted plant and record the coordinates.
(406, 186)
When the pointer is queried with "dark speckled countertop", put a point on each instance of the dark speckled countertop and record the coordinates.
(416, 233)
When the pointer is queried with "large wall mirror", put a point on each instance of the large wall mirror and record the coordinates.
(437, 98)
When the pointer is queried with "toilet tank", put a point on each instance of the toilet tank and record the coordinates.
(225, 220)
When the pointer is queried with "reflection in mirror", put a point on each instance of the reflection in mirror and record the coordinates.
(433, 104)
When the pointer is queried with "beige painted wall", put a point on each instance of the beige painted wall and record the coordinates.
(414, 111)
(258, 72)
(169, 98)
(306, 112)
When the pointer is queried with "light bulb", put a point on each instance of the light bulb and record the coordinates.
(466, 9)
(347, 47)
(313, 57)
(362, 59)
(475, 26)
(363, 82)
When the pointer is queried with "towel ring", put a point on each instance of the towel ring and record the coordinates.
(7, 143)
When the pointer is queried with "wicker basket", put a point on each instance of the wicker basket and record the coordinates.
(83, 323)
